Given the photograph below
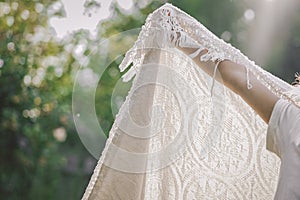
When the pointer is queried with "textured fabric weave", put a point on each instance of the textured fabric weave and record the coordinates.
(172, 139)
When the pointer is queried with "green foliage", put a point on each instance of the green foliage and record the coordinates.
(37, 74)
(35, 100)
(41, 155)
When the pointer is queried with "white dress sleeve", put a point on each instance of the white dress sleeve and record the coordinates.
(283, 138)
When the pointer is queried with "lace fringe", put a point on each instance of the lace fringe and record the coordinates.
(162, 24)
(167, 34)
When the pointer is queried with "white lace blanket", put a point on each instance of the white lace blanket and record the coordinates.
(172, 139)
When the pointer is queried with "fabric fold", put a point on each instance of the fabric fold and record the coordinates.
(176, 138)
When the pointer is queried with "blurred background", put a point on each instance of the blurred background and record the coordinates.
(44, 43)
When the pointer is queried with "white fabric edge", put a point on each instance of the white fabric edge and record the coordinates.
(272, 143)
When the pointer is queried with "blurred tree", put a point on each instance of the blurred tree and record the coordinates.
(41, 155)
(286, 63)
(35, 100)
(218, 16)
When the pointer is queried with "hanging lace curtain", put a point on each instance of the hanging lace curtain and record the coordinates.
(178, 134)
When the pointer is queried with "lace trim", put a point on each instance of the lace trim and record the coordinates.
(170, 22)
(183, 40)
(225, 50)
(163, 26)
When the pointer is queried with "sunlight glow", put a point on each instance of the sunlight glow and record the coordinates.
(269, 28)
(75, 19)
